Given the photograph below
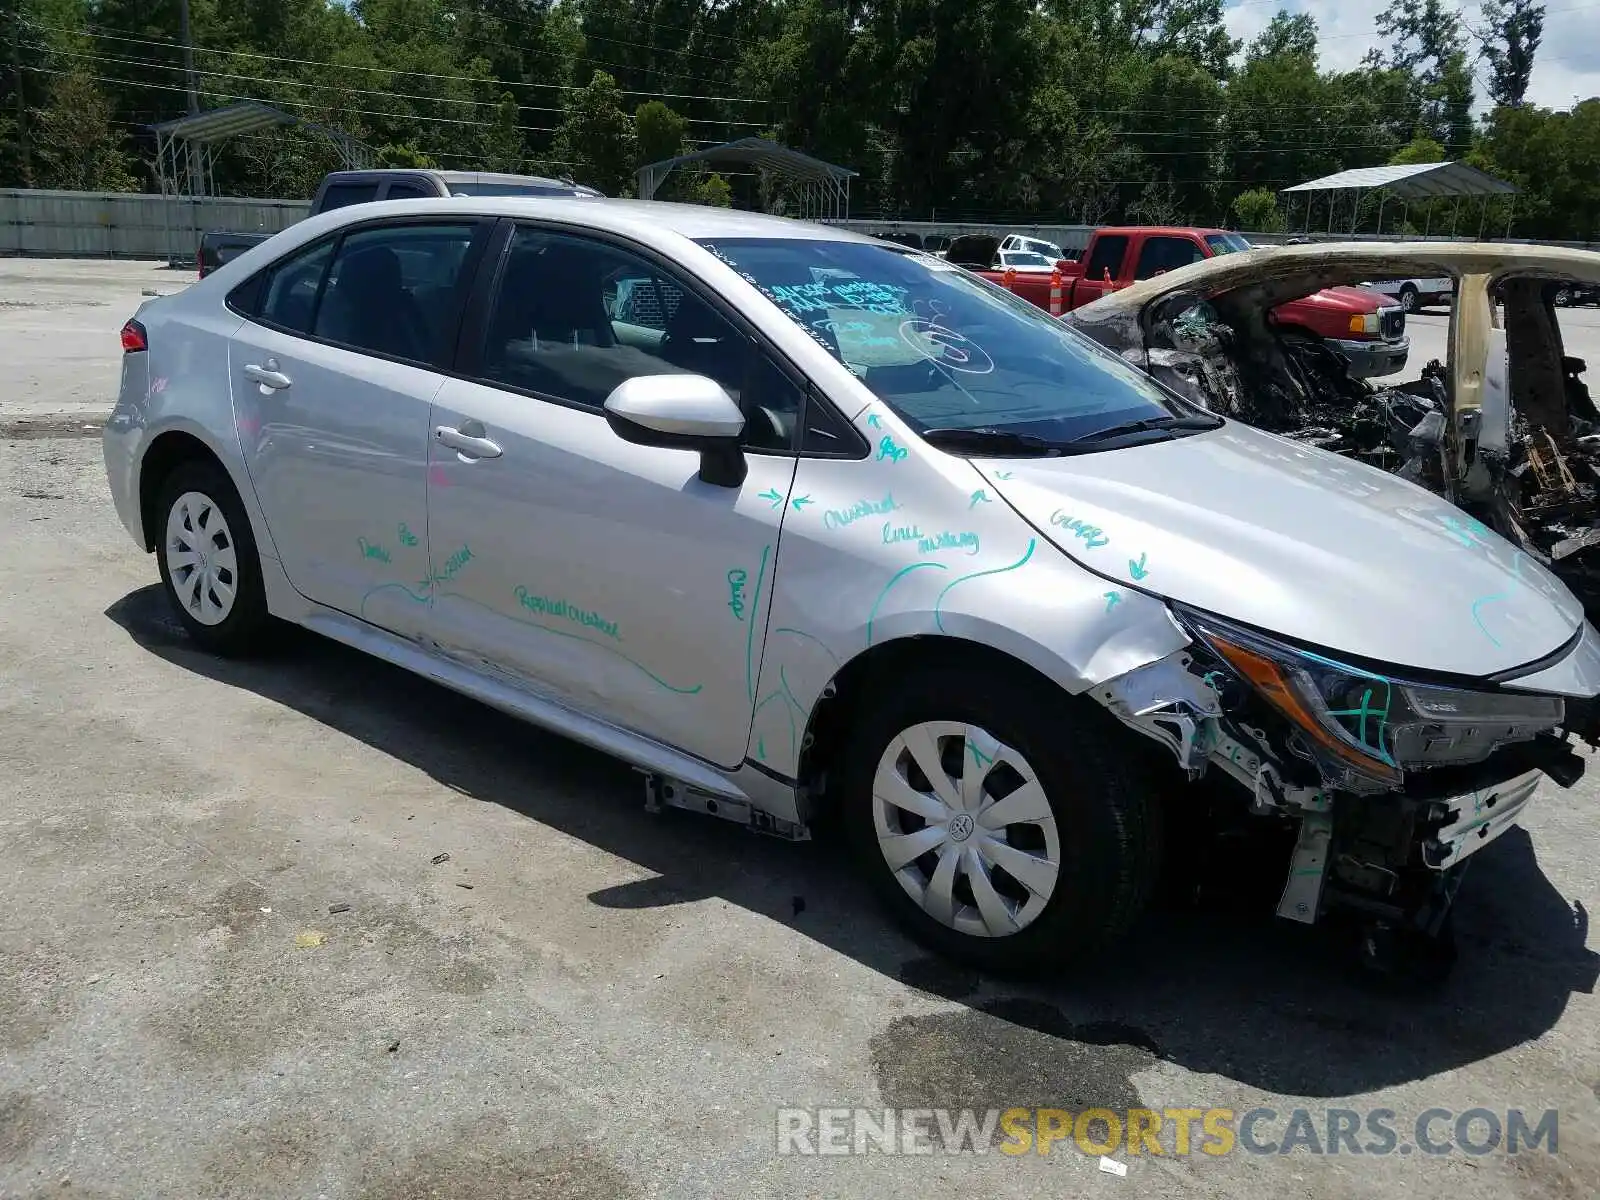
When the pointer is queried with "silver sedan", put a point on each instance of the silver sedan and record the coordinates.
(799, 522)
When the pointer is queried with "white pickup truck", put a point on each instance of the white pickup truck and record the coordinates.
(1415, 293)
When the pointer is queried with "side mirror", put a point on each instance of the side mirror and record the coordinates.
(682, 412)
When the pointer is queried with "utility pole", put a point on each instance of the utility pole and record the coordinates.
(196, 174)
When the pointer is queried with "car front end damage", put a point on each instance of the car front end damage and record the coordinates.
(1392, 780)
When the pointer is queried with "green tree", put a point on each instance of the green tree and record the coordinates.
(1286, 35)
(504, 149)
(1512, 30)
(711, 189)
(404, 155)
(660, 132)
(76, 146)
(1420, 149)
(595, 140)
(1257, 211)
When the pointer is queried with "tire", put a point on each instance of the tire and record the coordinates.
(198, 507)
(1102, 830)
(1562, 298)
(1409, 300)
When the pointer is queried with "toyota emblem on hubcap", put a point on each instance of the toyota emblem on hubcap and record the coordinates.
(960, 827)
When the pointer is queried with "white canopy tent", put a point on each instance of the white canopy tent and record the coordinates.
(1406, 182)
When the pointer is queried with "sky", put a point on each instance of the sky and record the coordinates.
(1567, 65)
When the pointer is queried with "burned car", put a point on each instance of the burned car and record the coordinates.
(1505, 429)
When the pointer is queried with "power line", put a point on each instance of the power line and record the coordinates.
(401, 117)
(148, 63)
(310, 62)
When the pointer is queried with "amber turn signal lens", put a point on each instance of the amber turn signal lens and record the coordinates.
(1269, 678)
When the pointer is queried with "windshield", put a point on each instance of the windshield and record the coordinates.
(1226, 243)
(1024, 258)
(941, 347)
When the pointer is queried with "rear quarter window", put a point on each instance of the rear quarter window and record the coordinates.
(341, 195)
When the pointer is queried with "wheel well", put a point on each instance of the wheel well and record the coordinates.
(832, 718)
(166, 453)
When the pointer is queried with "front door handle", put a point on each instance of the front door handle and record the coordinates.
(469, 441)
(267, 376)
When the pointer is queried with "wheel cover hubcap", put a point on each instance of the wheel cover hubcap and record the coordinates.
(201, 558)
(964, 825)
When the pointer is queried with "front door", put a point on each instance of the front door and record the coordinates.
(332, 387)
(604, 574)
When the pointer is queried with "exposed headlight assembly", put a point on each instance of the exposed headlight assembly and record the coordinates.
(1375, 725)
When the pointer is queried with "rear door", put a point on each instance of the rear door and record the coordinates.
(333, 375)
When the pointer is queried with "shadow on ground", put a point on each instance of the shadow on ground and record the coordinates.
(1222, 987)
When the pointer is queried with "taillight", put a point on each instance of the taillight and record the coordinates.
(133, 338)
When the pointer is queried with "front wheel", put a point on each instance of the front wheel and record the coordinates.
(1563, 297)
(1001, 825)
(208, 563)
(1409, 300)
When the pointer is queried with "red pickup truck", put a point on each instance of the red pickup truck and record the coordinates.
(1366, 327)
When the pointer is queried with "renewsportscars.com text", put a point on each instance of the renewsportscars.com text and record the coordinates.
(1172, 1131)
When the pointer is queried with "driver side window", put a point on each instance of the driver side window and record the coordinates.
(573, 317)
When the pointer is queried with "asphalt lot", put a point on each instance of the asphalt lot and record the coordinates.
(618, 1003)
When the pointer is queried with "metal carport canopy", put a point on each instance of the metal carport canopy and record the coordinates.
(825, 188)
(1413, 181)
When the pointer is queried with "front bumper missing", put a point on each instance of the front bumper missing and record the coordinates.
(1396, 855)
(1478, 818)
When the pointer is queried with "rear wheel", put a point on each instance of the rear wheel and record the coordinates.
(1000, 824)
(1563, 297)
(208, 563)
(1409, 299)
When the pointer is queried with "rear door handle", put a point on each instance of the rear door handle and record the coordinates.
(470, 442)
(268, 376)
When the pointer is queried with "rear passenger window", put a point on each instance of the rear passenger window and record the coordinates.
(339, 195)
(291, 291)
(407, 191)
(394, 291)
(573, 318)
(1109, 251)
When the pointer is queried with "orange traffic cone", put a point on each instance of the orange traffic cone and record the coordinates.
(1010, 279)
(1055, 293)
(1105, 277)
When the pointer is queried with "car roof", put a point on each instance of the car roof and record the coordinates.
(639, 219)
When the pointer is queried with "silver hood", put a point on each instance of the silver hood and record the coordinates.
(1300, 542)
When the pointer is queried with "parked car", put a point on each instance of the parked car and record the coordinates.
(1415, 293)
(840, 528)
(1032, 245)
(1357, 323)
(341, 188)
(1575, 295)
